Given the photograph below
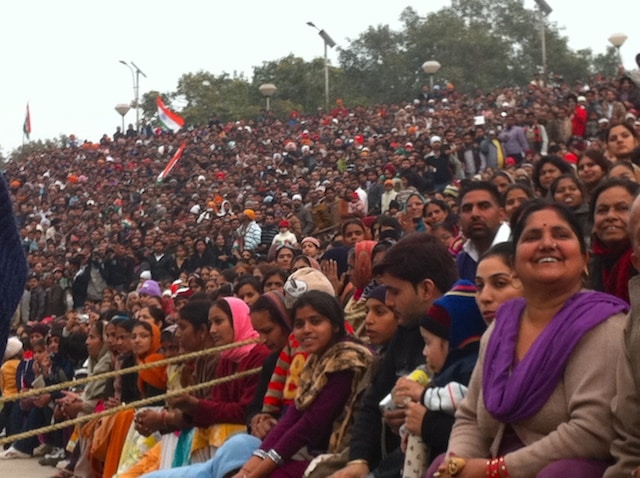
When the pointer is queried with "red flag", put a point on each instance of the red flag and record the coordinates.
(172, 163)
(26, 127)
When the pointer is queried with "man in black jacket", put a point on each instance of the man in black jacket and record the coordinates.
(416, 271)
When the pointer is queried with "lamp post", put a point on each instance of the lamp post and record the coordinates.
(617, 40)
(545, 9)
(122, 109)
(431, 67)
(267, 90)
(135, 76)
(328, 43)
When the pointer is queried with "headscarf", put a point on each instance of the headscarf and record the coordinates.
(338, 254)
(362, 275)
(276, 298)
(157, 376)
(242, 329)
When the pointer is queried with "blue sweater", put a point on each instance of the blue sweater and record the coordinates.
(13, 265)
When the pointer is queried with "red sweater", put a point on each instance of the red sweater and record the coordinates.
(229, 401)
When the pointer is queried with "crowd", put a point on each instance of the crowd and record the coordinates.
(493, 237)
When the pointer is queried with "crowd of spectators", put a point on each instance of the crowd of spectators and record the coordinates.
(253, 201)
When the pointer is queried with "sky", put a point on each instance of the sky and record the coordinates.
(63, 57)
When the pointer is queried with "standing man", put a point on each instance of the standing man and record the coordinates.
(440, 165)
(513, 139)
(416, 271)
(481, 221)
(249, 231)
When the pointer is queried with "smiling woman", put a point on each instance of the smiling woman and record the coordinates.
(611, 267)
(537, 405)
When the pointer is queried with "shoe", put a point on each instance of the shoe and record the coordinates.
(53, 458)
(42, 449)
(62, 464)
(11, 453)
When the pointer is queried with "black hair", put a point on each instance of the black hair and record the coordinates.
(419, 256)
(326, 305)
(158, 315)
(126, 324)
(481, 186)
(272, 272)
(523, 213)
(503, 250)
(230, 275)
(196, 312)
(253, 281)
(144, 324)
(632, 188)
(349, 222)
(557, 161)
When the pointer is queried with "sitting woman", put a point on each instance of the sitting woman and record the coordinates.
(538, 404)
(335, 374)
(224, 413)
(611, 266)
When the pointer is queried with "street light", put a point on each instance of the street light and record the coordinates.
(431, 67)
(135, 76)
(328, 43)
(617, 40)
(545, 10)
(267, 90)
(122, 109)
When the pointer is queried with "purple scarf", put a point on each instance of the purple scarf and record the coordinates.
(515, 393)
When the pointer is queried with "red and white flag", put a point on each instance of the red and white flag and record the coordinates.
(168, 118)
(26, 127)
(172, 163)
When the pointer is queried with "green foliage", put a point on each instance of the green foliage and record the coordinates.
(24, 151)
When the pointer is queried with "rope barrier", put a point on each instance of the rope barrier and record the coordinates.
(32, 392)
(126, 406)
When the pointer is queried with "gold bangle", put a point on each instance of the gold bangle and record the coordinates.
(358, 462)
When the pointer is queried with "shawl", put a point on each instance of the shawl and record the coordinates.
(156, 377)
(612, 268)
(344, 355)
(517, 391)
(242, 330)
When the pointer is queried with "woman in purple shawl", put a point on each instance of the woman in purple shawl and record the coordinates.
(539, 398)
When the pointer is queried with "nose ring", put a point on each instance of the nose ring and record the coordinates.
(555, 245)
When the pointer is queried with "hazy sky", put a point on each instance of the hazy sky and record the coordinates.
(62, 56)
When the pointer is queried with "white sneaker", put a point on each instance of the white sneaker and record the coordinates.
(11, 453)
(62, 465)
(42, 449)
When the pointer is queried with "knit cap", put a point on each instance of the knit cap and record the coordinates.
(303, 280)
(14, 346)
(378, 293)
(455, 316)
(150, 287)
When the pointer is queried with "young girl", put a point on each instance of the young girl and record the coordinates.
(336, 373)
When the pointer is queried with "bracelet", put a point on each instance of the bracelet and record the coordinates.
(260, 453)
(497, 468)
(358, 462)
(274, 456)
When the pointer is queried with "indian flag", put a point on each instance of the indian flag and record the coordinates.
(26, 127)
(172, 163)
(168, 118)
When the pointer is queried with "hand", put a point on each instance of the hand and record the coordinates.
(148, 421)
(636, 473)
(357, 470)
(43, 400)
(185, 403)
(72, 409)
(406, 388)
(68, 397)
(394, 419)
(261, 424)
(330, 270)
(414, 416)
(111, 402)
(407, 224)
